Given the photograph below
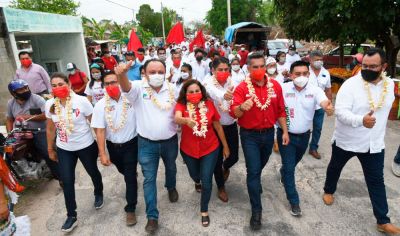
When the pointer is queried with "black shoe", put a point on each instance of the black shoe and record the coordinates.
(98, 201)
(151, 226)
(173, 195)
(255, 221)
(295, 210)
(281, 177)
(69, 224)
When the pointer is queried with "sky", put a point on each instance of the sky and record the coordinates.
(104, 9)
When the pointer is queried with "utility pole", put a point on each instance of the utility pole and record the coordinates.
(162, 21)
(183, 25)
(228, 3)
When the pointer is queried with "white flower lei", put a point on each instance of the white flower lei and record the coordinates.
(223, 105)
(371, 102)
(167, 105)
(109, 121)
(252, 93)
(203, 118)
(68, 124)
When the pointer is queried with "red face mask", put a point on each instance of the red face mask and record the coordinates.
(140, 57)
(61, 92)
(177, 62)
(26, 62)
(258, 74)
(194, 98)
(222, 76)
(113, 91)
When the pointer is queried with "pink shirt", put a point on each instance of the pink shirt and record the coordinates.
(36, 76)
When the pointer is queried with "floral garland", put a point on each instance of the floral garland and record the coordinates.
(371, 102)
(68, 124)
(203, 118)
(223, 105)
(167, 105)
(109, 121)
(252, 93)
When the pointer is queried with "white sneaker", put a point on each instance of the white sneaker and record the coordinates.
(396, 169)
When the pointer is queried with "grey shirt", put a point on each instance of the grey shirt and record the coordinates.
(35, 101)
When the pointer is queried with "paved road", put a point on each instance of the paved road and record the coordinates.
(350, 215)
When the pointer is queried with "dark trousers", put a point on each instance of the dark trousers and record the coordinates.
(291, 155)
(257, 148)
(40, 143)
(372, 165)
(67, 162)
(318, 121)
(201, 170)
(124, 157)
(397, 157)
(232, 138)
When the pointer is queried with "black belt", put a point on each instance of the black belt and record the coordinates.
(234, 124)
(260, 131)
(120, 145)
(158, 141)
(298, 135)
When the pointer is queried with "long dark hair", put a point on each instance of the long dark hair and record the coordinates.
(61, 76)
(101, 78)
(182, 93)
(187, 66)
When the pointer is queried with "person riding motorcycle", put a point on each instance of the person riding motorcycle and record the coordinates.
(28, 107)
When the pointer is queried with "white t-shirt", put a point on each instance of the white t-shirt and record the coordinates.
(96, 92)
(323, 80)
(176, 72)
(290, 59)
(200, 70)
(81, 135)
(122, 135)
(152, 122)
(245, 69)
(237, 77)
(281, 68)
(301, 105)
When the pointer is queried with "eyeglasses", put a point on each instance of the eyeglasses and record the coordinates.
(110, 83)
(372, 67)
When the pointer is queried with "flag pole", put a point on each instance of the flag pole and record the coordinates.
(162, 21)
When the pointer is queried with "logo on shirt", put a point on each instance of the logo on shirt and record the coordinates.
(146, 96)
(291, 112)
(290, 95)
(309, 96)
(76, 111)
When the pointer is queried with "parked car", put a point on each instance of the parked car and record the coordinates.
(331, 59)
(277, 45)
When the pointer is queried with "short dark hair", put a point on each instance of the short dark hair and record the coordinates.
(141, 50)
(153, 60)
(235, 59)
(278, 54)
(316, 53)
(221, 60)
(199, 50)
(256, 55)
(182, 93)
(373, 51)
(23, 53)
(188, 66)
(160, 49)
(298, 64)
(215, 53)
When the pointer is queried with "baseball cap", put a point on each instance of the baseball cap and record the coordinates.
(71, 66)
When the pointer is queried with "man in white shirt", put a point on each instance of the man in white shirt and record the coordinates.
(292, 56)
(174, 68)
(320, 77)
(300, 99)
(114, 122)
(363, 104)
(199, 66)
(226, 49)
(153, 100)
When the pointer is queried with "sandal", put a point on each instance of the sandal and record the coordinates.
(197, 186)
(205, 221)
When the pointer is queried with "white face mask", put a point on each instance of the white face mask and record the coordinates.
(235, 67)
(96, 76)
(185, 75)
(301, 81)
(242, 49)
(318, 64)
(156, 80)
(271, 70)
(72, 72)
(282, 59)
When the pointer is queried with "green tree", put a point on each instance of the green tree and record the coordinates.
(150, 20)
(64, 7)
(241, 10)
(96, 29)
(343, 21)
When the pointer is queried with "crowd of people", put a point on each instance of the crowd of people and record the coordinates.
(214, 97)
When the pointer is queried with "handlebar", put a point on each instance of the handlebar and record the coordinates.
(25, 130)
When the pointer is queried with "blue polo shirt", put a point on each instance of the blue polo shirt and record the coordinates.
(134, 72)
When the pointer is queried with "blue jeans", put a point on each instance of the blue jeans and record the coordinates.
(257, 147)
(372, 165)
(149, 157)
(201, 170)
(291, 155)
(397, 157)
(40, 143)
(318, 121)
(67, 162)
(125, 159)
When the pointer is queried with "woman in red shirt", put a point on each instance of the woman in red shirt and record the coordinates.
(199, 142)
(77, 79)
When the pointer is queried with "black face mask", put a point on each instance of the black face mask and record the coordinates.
(23, 96)
(199, 58)
(370, 75)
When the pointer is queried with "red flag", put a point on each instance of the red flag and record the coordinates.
(199, 40)
(134, 42)
(176, 34)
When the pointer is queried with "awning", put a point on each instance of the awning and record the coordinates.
(230, 31)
